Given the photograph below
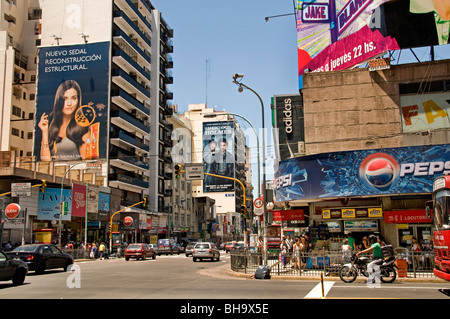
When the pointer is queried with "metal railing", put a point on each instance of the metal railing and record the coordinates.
(315, 263)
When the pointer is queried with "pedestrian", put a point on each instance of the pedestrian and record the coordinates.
(101, 250)
(351, 241)
(284, 251)
(346, 251)
(93, 250)
(416, 249)
(296, 249)
(290, 244)
(304, 246)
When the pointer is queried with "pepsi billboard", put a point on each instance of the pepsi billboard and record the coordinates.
(403, 170)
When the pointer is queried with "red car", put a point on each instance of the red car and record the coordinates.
(228, 246)
(139, 251)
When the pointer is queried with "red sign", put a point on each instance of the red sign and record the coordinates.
(128, 221)
(78, 200)
(12, 211)
(292, 214)
(406, 216)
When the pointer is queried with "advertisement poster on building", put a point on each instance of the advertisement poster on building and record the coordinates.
(338, 34)
(72, 102)
(218, 156)
(402, 170)
(49, 204)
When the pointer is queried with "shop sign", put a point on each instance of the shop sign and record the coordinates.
(12, 211)
(292, 214)
(348, 213)
(406, 217)
(362, 226)
(375, 212)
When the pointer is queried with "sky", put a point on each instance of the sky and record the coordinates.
(212, 42)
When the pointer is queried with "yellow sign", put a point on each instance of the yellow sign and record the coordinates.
(326, 214)
(348, 213)
(375, 212)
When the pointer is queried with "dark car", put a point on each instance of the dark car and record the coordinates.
(12, 269)
(40, 257)
(140, 250)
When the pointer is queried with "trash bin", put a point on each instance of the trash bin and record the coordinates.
(401, 261)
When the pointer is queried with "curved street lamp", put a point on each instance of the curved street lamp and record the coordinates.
(241, 85)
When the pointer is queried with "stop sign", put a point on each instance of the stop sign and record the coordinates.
(12, 210)
(128, 221)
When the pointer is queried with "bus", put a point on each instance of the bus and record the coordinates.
(441, 222)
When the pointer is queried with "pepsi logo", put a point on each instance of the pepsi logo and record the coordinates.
(379, 170)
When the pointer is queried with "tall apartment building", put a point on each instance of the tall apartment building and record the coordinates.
(38, 37)
(211, 126)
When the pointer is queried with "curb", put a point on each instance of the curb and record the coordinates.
(360, 279)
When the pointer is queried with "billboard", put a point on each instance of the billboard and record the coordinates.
(49, 204)
(218, 156)
(72, 102)
(403, 170)
(289, 120)
(427, 111)
(338, 34)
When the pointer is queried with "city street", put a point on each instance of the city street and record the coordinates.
(178, 277)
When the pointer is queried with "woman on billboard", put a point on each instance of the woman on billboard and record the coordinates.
(65, 136)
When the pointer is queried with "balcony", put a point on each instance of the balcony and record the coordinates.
(125, 141)
(129, 27)
(131, 8)
(127, 182)
(127, 102)
(120, 35)
(122, 59)
(127, 162)
(129, 84)
(128, 123)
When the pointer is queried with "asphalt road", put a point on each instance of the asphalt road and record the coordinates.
(179, 282)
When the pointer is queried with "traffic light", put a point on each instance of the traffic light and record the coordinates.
(44, 185)
(243, 211)
(178, 171)
(145, 202)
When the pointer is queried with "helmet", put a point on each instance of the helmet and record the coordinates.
(372, 238)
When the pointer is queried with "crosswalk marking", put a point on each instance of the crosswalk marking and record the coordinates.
(316, 292)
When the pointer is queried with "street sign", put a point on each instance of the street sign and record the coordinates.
(258, 206)
(20, 189)
(128, 221)
(12, 211)
(194, 171)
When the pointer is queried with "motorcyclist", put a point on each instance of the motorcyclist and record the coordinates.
(377, 256)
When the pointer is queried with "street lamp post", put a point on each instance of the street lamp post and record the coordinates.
(240, 89)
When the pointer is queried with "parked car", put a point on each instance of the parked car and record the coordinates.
(205, 250)
(167, 246)
(228, 246)
(40, 257)
(189, 248)
(12, 269)
(140, 250)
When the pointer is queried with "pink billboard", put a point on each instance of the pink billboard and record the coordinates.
(338, 34)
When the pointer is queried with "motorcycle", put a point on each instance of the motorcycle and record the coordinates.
(358, 265)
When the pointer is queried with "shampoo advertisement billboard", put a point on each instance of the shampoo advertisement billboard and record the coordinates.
(403, 170)
(72, 102)
(338, 34)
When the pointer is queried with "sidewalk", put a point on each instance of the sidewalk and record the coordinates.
(359, 279)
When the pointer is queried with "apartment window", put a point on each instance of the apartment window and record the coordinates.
(16, 111)
(9, 18)
(15, 132)
(30, 135)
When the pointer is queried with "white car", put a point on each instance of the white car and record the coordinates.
(205, 250)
